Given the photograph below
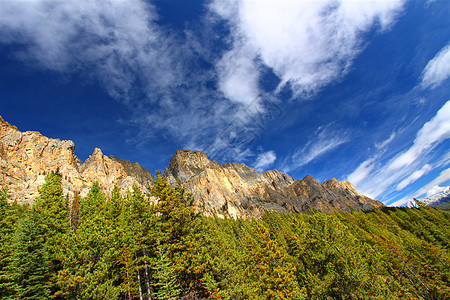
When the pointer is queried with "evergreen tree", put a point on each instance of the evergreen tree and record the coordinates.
(53, 213)
(177, 228)
(8, 218)
(275, 273)
(167, 287)
(31, 263)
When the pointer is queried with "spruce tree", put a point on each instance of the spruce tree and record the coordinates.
(31, 263)
(8, 218)
(167, 287)
(177, 227)
(52, 210)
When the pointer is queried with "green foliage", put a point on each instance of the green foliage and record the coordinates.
(8, 218)
(31, 260)
(177, 228)
(167, 287)
(137, 245)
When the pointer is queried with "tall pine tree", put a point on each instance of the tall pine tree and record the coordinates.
(8, 218)
(31, 260)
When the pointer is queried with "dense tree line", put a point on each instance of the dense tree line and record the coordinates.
(132, 245)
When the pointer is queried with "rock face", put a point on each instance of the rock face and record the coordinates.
(25, 158)
(237, 190)
(233, 189)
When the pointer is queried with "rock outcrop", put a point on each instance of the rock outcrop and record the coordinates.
(25, 158)
(233, 189)
(237, 190)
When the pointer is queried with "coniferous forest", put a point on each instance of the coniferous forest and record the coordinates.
(128, 246)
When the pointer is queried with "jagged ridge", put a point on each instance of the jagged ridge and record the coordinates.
(233, 189)
(237, 190)
(25, 158)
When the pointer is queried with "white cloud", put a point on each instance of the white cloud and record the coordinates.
(413, 177)
(367, 166)
(433, 132)
(428, 189)
(386, 142)
(407, 167)
(362, 171)
(139, 63)
(436, 190)
(238, 76)
(308, 44)
(118, 41)
(264, 160)
(438, 69)
(325, 140)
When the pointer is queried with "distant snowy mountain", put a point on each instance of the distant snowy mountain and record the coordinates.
(441, 198)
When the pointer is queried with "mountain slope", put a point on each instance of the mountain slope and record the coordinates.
(233, 189)
(237, 190)
(25, 158)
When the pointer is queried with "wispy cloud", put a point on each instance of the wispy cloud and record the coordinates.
(429, 189)
(118, 41)
(362, 171)
(383, 144)
(138, 62)
(413, 177)
(265, 160)
(324, 141)
(374, 176)
(433, 132)
(147, 67)
(437, 69)
(307, 44)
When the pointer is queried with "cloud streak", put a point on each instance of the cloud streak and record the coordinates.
(437, 69)
(374, 177)
(324, 141)
(307, 45)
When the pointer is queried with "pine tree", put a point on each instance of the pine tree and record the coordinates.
(176, 227)
(275, 273)
(167, 287)
(142, 221)
(31, 259)
(8, 218)
(53, 212)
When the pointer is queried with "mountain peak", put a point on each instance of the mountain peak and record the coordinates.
(233, 189)
(236, 190)
(185, 164)
(26, 156)
(5, 125)
(97, 152)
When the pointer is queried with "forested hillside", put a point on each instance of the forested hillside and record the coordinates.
(129, 246)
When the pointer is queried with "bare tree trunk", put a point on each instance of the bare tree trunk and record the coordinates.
(147, 277)
(139, 281)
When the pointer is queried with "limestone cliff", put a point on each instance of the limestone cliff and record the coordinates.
(25, 158)
(237, 190)
(233, 189)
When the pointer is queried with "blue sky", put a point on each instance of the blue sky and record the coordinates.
(355, 90)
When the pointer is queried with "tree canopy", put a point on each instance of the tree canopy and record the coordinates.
(157, 245)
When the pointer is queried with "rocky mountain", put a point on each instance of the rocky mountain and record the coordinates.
(25, 158)
(237, 190)
(233, 189)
